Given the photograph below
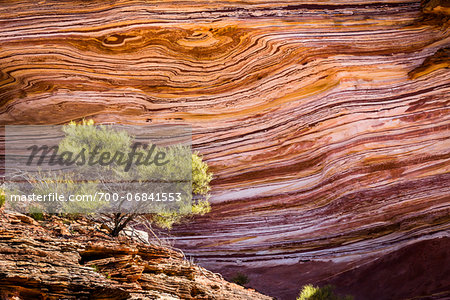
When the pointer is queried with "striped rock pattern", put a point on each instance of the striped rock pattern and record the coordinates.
(326, 123)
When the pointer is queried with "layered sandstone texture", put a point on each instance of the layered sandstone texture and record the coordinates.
(326, 123)
(61, 259)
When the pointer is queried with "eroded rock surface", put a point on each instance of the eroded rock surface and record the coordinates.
(54, 260)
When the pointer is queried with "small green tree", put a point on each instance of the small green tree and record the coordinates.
(310, 292)
(85, 135)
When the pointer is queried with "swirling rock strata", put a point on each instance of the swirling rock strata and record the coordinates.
(326, 123)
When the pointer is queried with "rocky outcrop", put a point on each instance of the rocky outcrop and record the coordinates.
(61, 259)
(325, 122)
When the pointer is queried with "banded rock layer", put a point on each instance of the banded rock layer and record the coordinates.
(326, 123)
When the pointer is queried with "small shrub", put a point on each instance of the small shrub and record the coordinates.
(36, 213)
(240, 279)
(202, 207)
(310, 292)
(2, 197)
(200, 188)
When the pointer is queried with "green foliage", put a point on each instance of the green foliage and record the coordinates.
(64, 185)
(240, 279)
(200, 188)
(85, 135)
(310, 292)
(201, 207)
(36, 213)
(200, 175)
(307, 292)
(167, 219)
(2, 197)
